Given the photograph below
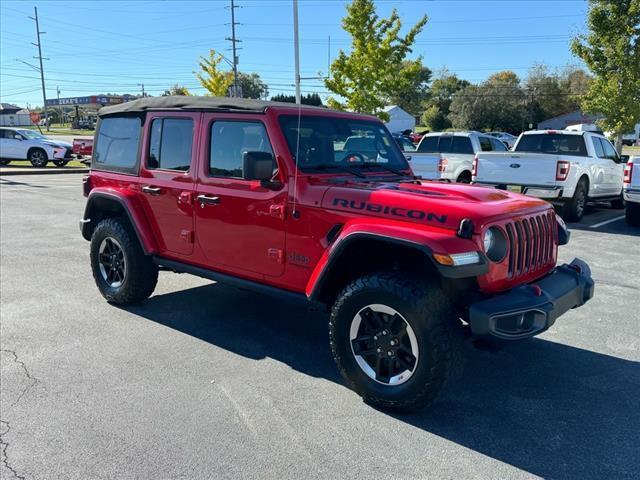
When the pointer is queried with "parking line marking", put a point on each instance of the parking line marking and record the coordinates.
(611, 220)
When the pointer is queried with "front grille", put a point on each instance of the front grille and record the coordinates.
(532, 243)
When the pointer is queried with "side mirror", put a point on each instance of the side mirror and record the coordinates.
(259, 166)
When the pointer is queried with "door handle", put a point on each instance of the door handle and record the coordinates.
(151, 190)
(206, 199)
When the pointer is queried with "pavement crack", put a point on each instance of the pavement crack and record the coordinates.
(33, 379)
(3, 450)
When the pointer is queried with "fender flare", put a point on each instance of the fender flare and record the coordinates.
(133, 211)
(329, 261)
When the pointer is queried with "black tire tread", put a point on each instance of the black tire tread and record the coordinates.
(569, 208)
(445, 337)
(142, 272)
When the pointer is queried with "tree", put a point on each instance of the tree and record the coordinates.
(177, 90)
(434, 119)
(252, 85)
(216, 81)
(374, 67)
(309, 99)
(440, 96)
(611, 50)
(411, 91)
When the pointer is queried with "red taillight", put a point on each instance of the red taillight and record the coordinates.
(628, 171)
(562, 170)
(442, 165)
(474, 167)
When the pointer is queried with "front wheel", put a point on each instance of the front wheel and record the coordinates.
(394, 339)
(60, 163)
(38, 158)
(123, 273)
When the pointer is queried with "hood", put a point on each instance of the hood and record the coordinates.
(436, 204)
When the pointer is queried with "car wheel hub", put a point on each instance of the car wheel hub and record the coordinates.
(383, 344)
(111, 262)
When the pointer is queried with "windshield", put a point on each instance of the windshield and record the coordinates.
(31, 134)
(553, 143)
(327, 142)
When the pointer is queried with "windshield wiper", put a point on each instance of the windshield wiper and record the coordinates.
(395, 171)
(341, 168)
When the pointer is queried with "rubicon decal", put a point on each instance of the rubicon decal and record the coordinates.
(389, 210)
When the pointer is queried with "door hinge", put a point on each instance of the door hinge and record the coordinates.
(187, 235)
(277, 211)
(276, 254)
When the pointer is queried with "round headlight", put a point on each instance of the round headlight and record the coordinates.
(488, 240)
(495, 244)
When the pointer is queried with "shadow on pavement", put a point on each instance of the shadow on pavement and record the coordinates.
(549, 409)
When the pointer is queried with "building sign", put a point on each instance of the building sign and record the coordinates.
(91, 100)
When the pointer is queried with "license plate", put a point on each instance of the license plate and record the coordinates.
(515, 188)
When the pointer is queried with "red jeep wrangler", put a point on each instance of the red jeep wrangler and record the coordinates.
(321, 204)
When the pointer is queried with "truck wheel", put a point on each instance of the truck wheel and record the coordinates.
(464, 177)
(394, 339)
(38, 158)
(618, 203)
(632, 214)
(573, 209)
(123, 273)
(60, 163)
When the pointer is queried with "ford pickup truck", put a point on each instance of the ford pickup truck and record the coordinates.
(321, 206)
(566, 168)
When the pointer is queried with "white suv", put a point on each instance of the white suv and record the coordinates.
(23, 144)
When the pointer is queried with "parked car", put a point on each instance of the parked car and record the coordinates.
(24, 144)
(506, 138)
(632, 191)
(449, 155)
(632, 138)
(567, 168)
(86, 125)
(310, 203)
(83, 147)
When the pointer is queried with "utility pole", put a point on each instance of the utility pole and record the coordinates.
(296, 48)
(60, 120)
(142, 85)
(234, 40)
(39, 57)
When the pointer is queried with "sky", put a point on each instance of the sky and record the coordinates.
(114, 46)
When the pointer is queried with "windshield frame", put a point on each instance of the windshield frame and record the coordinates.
(391, 147)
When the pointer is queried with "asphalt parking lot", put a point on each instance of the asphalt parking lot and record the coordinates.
(208, 381)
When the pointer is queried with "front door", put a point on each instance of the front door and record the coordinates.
(613, 169)
(167, 178)
(240, 225)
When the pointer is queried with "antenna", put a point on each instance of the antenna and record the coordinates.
(295, 213)
(296, 48)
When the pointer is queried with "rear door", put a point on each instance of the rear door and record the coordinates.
(240, 225)
(167, 178)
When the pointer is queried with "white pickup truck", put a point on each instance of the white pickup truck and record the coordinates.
(564, 167)
(632, 191)
(449, 155)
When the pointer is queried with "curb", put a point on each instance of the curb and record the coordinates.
(42, 171)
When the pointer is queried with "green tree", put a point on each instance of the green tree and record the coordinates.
(309, 99)
(177, 90)
(440, 96)
(412, 89)
(252, 85)
(434, 119)
(216, 81)
(611, 50)
(374, 67)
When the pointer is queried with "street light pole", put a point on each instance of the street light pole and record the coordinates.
(296, 48)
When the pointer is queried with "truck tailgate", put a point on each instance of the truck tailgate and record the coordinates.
(514, 168)
(425, 165)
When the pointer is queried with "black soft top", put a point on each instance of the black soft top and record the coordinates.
(145, 104)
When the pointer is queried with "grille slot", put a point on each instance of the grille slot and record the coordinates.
(531, 243)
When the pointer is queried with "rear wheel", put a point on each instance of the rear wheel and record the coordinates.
(123, 273)
(632, 214)
(573, 209)
(60, 163)
(394, 339)
(464, 177)
(38, 158)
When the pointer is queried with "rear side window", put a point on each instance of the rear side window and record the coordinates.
(171, 144)
(497, 145)
(597, 145)
(428, 144)
(485, 144)
(552, 143)
(230, 140)
(462, 145)
(117, 144)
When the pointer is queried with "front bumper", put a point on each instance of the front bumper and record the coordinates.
(530, 309)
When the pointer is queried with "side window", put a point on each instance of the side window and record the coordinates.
(117, 143)
(462, 145)
(609, 151)
(497, 145)
(428, 144)
(230, 140)
(485, 144)
(444, 145)
(597, 145)
(171, 143)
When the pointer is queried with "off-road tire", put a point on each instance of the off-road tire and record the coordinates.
(4, 161)
(60, 163)
(618, 203)
(573, 209)
(141, 274)
(38, 157)
(434, 322)
(632, 214)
